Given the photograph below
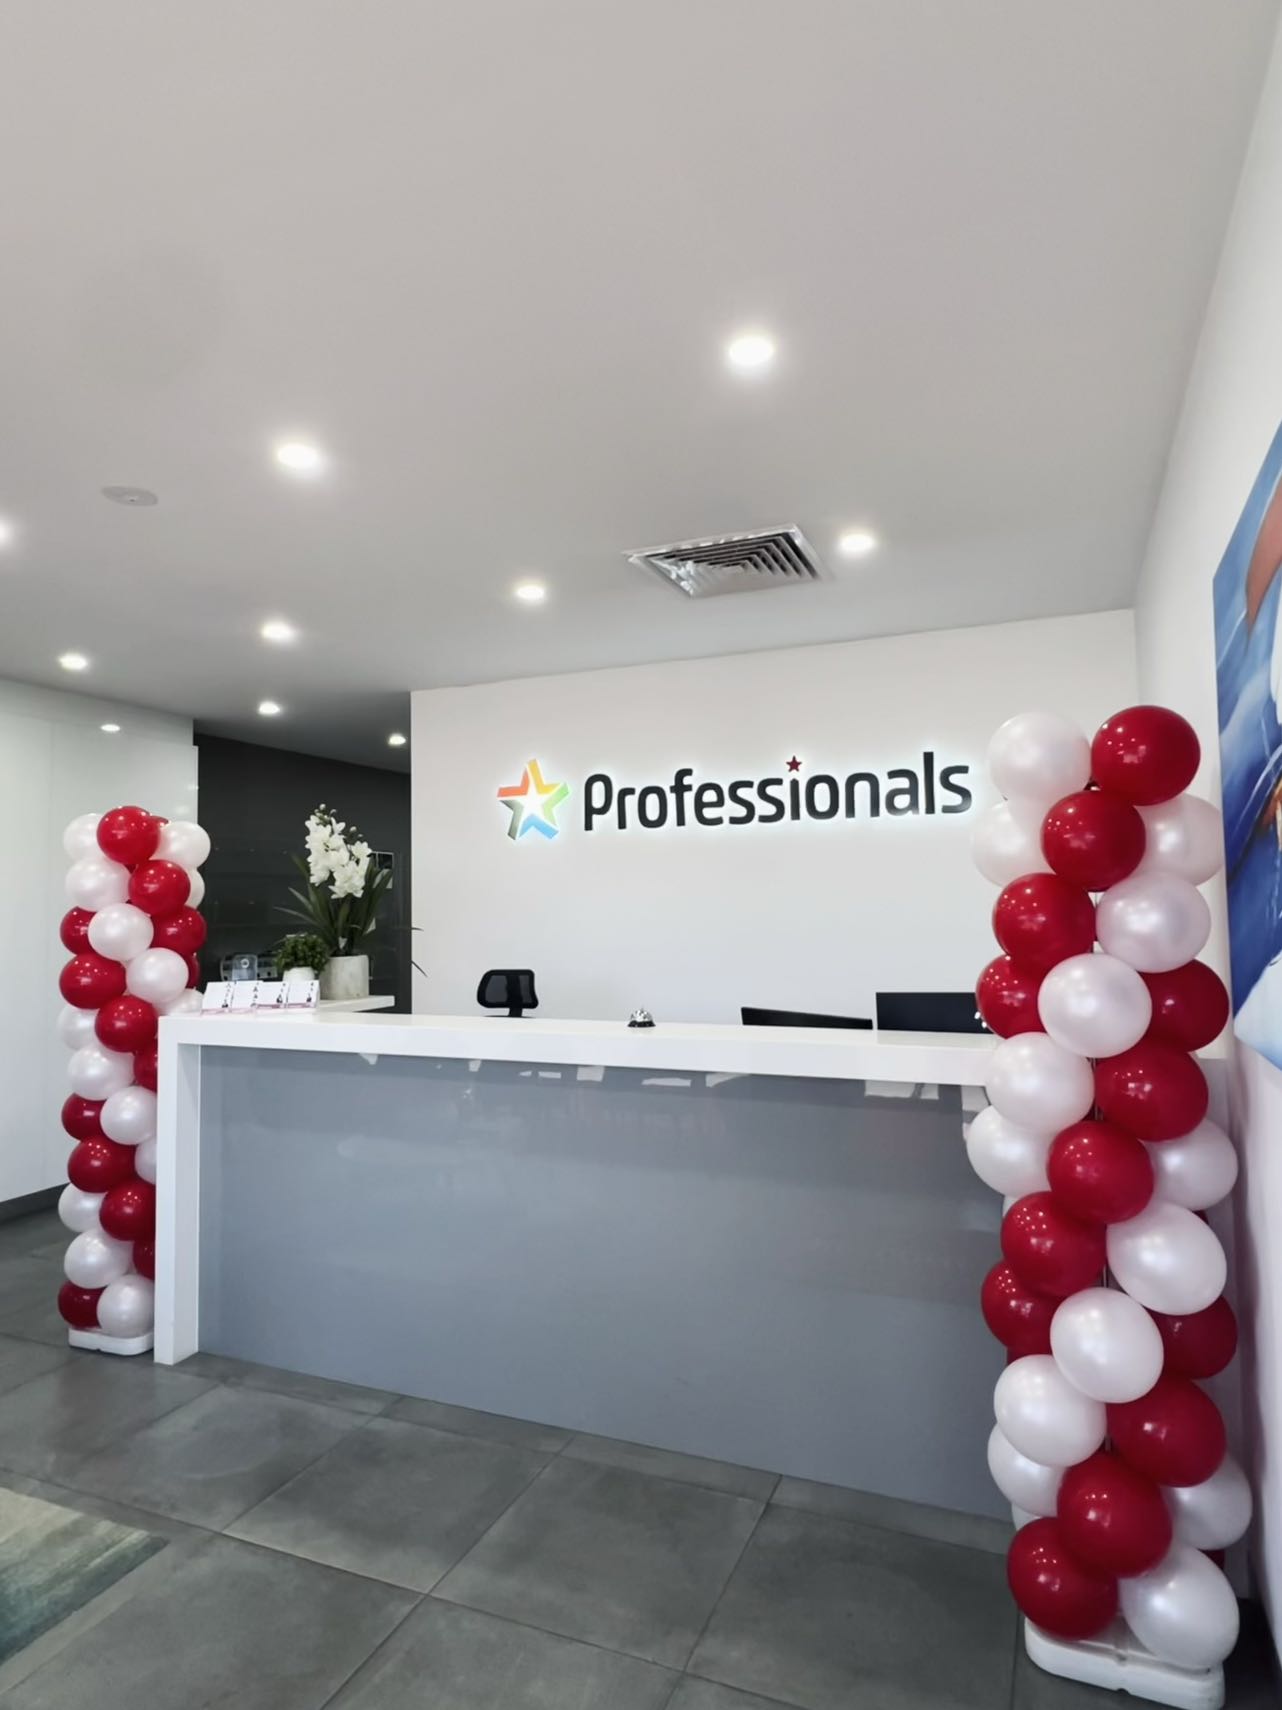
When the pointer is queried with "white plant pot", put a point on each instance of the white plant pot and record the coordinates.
(344, 978)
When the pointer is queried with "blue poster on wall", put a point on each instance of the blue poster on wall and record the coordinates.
(1248, 654)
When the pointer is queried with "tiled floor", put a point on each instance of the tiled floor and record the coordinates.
(334, 1546)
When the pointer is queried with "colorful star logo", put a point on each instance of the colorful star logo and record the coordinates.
(533, 803)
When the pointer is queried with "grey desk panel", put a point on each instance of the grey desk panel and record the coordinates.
(778, 1272)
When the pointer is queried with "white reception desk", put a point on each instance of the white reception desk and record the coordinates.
(762, 1245)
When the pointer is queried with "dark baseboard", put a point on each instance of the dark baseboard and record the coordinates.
(44, 1200)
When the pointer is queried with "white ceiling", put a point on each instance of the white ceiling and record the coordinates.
(487, 254)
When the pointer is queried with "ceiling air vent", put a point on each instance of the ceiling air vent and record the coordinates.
(734, 563)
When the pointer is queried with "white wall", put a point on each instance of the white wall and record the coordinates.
(695, 922)
(55, 763)
(1231, 411)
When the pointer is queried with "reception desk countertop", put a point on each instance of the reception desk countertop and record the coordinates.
(953, 1059)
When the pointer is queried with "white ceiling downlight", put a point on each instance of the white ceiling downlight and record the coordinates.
(278, 632)
(73, 661)
(734, 563)
(300, 457)
(396, 740)
(269, 709)
(530, 593)
(857, 543)
(750, 352)
(7, 532)
(110, 729)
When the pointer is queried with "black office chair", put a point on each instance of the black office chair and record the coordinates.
(511, 989)
(928, 1012)
(797, 1018)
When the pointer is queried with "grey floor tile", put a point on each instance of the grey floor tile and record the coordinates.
(227, 1625)
(398, 1502)
(54, 1423)
(211, 1460)
(103, 1507)
(29, 1301)
(447, 1658)
(917, 1519)
(827, 1614)
(21, 1361)
(692, 1694)
(668, 1463)
(244, 1374)
(25, 1235)
(609, 1556)
(494, 1427)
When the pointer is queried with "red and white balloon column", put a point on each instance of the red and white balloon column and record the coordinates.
(1109, 1293)
(134, 932)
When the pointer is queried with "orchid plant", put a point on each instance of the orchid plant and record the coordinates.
(342, 896)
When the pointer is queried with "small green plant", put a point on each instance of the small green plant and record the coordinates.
(302, 950)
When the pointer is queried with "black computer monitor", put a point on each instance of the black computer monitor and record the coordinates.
(928, 1012)
(798, 1018)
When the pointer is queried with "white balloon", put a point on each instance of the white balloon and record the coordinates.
(1025, 1484)
(129, 1116)
(156, 975)
(1106, 1345)
(1044, 1416)
(81, 836)
(1197, 1170)
(95, 1072)
(1184, 836)
(196, 895)
(1006, 842)
(1167, 1259)
(120, 931)
(186, 1003)
(1039, 757)
(75, 1027)
(1094, 1005)
(1021, 1517)
(1183, 1610)
(145, 1160)
(126, 1307)
(1214, 1514)
(1008, 1159)
(94, 1259)
(1037, 1084)
(78, 1209)
(1154, 921)
(184, 841)
(95, 881)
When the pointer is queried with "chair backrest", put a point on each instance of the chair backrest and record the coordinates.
(511, 989)
(928, 1012)
(751, 1017)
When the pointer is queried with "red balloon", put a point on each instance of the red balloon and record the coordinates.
(79, 1306)
(193, 971)
(1048, 1250)
(90, 980)
(145, 1068)
(96, 1166)
(1154, 1090)
(1174, 1434)
(1111, 1517)
(1093, 839)
(1040, 919)
(129, 835)
(73, 929)
(1199, 1344)
(159, 887)
(80, 1117)
(1019, 1317)
(145, 1258)
(1055, 1591)
(129, 1211)
(1099, 1173)
(126, 1024)
(1007, 997)
(1145, 755)
(183, 931)
(1190, 1006)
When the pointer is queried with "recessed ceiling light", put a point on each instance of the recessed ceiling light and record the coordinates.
(269, 709)
(111, 729)
(6, 532)
(396, 740)
(277, 630)
(530, 592)
(73, 661)
(857, 543)
(299, 457)
(750, 352)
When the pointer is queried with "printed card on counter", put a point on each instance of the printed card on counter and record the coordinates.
(245, 997)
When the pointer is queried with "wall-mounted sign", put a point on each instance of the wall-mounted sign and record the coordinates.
(688, 800)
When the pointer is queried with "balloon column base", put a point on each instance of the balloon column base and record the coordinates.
(1117, 1663)
(104, 1344)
